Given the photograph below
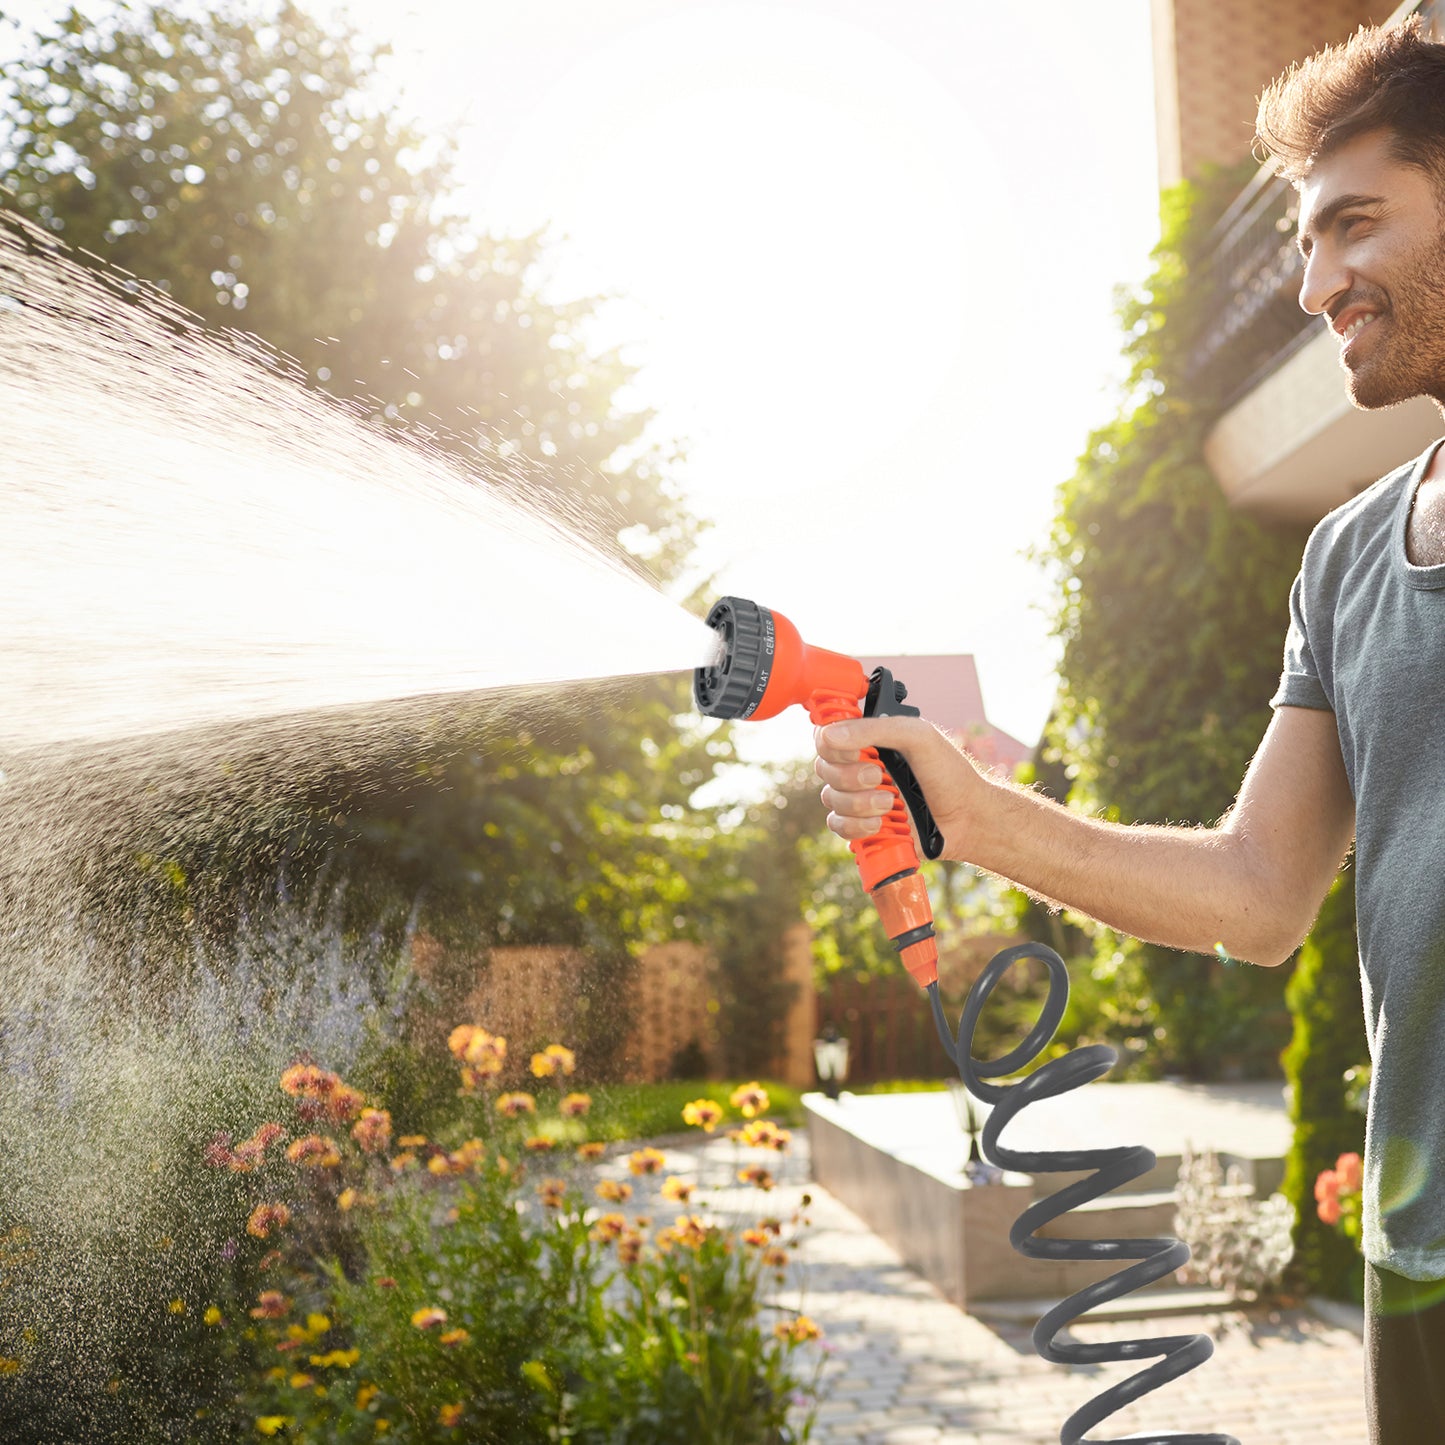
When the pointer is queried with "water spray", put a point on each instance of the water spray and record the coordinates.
(764, 667)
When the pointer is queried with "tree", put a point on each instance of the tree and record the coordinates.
(1171, 610)
(241, 162)
(244, 166)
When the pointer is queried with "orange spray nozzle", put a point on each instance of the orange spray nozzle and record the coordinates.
(763, 667)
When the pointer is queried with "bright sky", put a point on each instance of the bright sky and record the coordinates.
(865, 256)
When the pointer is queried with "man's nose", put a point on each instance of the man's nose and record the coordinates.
(1324, 279)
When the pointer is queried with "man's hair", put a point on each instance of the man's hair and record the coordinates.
(1377, 80)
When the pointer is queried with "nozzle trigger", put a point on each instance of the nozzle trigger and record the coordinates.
(885, 699)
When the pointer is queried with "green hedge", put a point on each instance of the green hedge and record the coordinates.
(1329, 1038)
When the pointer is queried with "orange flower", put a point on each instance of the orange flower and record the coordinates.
(775, 1258)
(513, 1104)
(749, 1099)
(564, 1060)
(608, 1227)
(1327, 1185)
(307, 1081)
(797, 1330)
(629, 1247)
(553, 1193)
(373, 1130)
(755, 1237)
(411, 1141)
(757, 1176)
(449, 1415)
(613, 1191)
(1329, 1210)
(402, 1161)
(457, 1336)
(315, 1151)
(539, 1143)
(702, 1114)
(346, 1200)
(271, 1304)
(592, 1149)
(574, 1106)
(266, 1217)
(344, 1103)
(677, 1189)
(689, 1231)
(1348, 1167)
(646, 1161)
(484, 1053)
(424, 1319)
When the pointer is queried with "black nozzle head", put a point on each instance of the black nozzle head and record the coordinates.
(734, 685)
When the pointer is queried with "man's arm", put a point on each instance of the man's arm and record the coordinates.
(1254, 883)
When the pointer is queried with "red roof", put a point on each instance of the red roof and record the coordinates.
(946, 690)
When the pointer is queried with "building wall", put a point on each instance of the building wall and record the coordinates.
(1212, 58)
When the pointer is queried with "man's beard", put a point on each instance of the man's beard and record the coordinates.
(1411, 362)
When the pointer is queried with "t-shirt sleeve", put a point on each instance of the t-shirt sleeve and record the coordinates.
(1299, 683)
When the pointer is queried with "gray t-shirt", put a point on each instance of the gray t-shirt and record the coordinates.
(1367, 642)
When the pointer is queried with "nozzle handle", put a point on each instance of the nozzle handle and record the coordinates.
(885, 699)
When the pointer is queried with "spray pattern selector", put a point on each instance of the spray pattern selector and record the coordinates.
(762, 668)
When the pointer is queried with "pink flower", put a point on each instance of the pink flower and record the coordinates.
(1329, 1210)
(1348, 1167)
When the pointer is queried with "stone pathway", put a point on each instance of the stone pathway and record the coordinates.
(908, 1368)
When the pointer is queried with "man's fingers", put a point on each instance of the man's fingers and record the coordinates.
(868, 804)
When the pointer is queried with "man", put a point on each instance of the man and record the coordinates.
(1356, 747)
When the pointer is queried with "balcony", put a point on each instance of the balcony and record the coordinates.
(1288, 444)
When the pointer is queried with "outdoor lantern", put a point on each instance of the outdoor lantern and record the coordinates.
(971, 1116)
(830, 1056)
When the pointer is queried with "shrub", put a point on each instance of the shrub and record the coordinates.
(446, 1289)
(1329, 1040)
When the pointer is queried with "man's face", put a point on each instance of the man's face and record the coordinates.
(1371, 232)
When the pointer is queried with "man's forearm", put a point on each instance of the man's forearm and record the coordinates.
(1186, 888)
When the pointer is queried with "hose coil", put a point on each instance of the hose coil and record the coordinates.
(1155, 1257)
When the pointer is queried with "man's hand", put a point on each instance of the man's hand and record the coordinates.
(853, 790)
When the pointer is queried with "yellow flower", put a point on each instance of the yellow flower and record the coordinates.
(564, 1061)
(346, 1199)
(613, 1191)
(553, 1193)
(402, 1161)
(574, 1106)
(629, 1247)
(424, 1319)
(592, 1149)
(539, 1144)
(702, 1114)
(543, 1066)
(646, 1161)
(212, 1315)
(457, 1336)
(317, 1324)
(764, 1134)
(755, 1237)
(758, 1176)
(336, 1359)
(411, 1141)
(272, 1424)
(749, 1099)
(513, 1104)
(365, 1395)
(177, 1306)
(9, 1366)
(300, 1381)
(797, 1330)
(449, 1415)
(678, 1190)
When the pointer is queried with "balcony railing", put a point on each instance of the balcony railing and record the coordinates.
(1254, 272)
